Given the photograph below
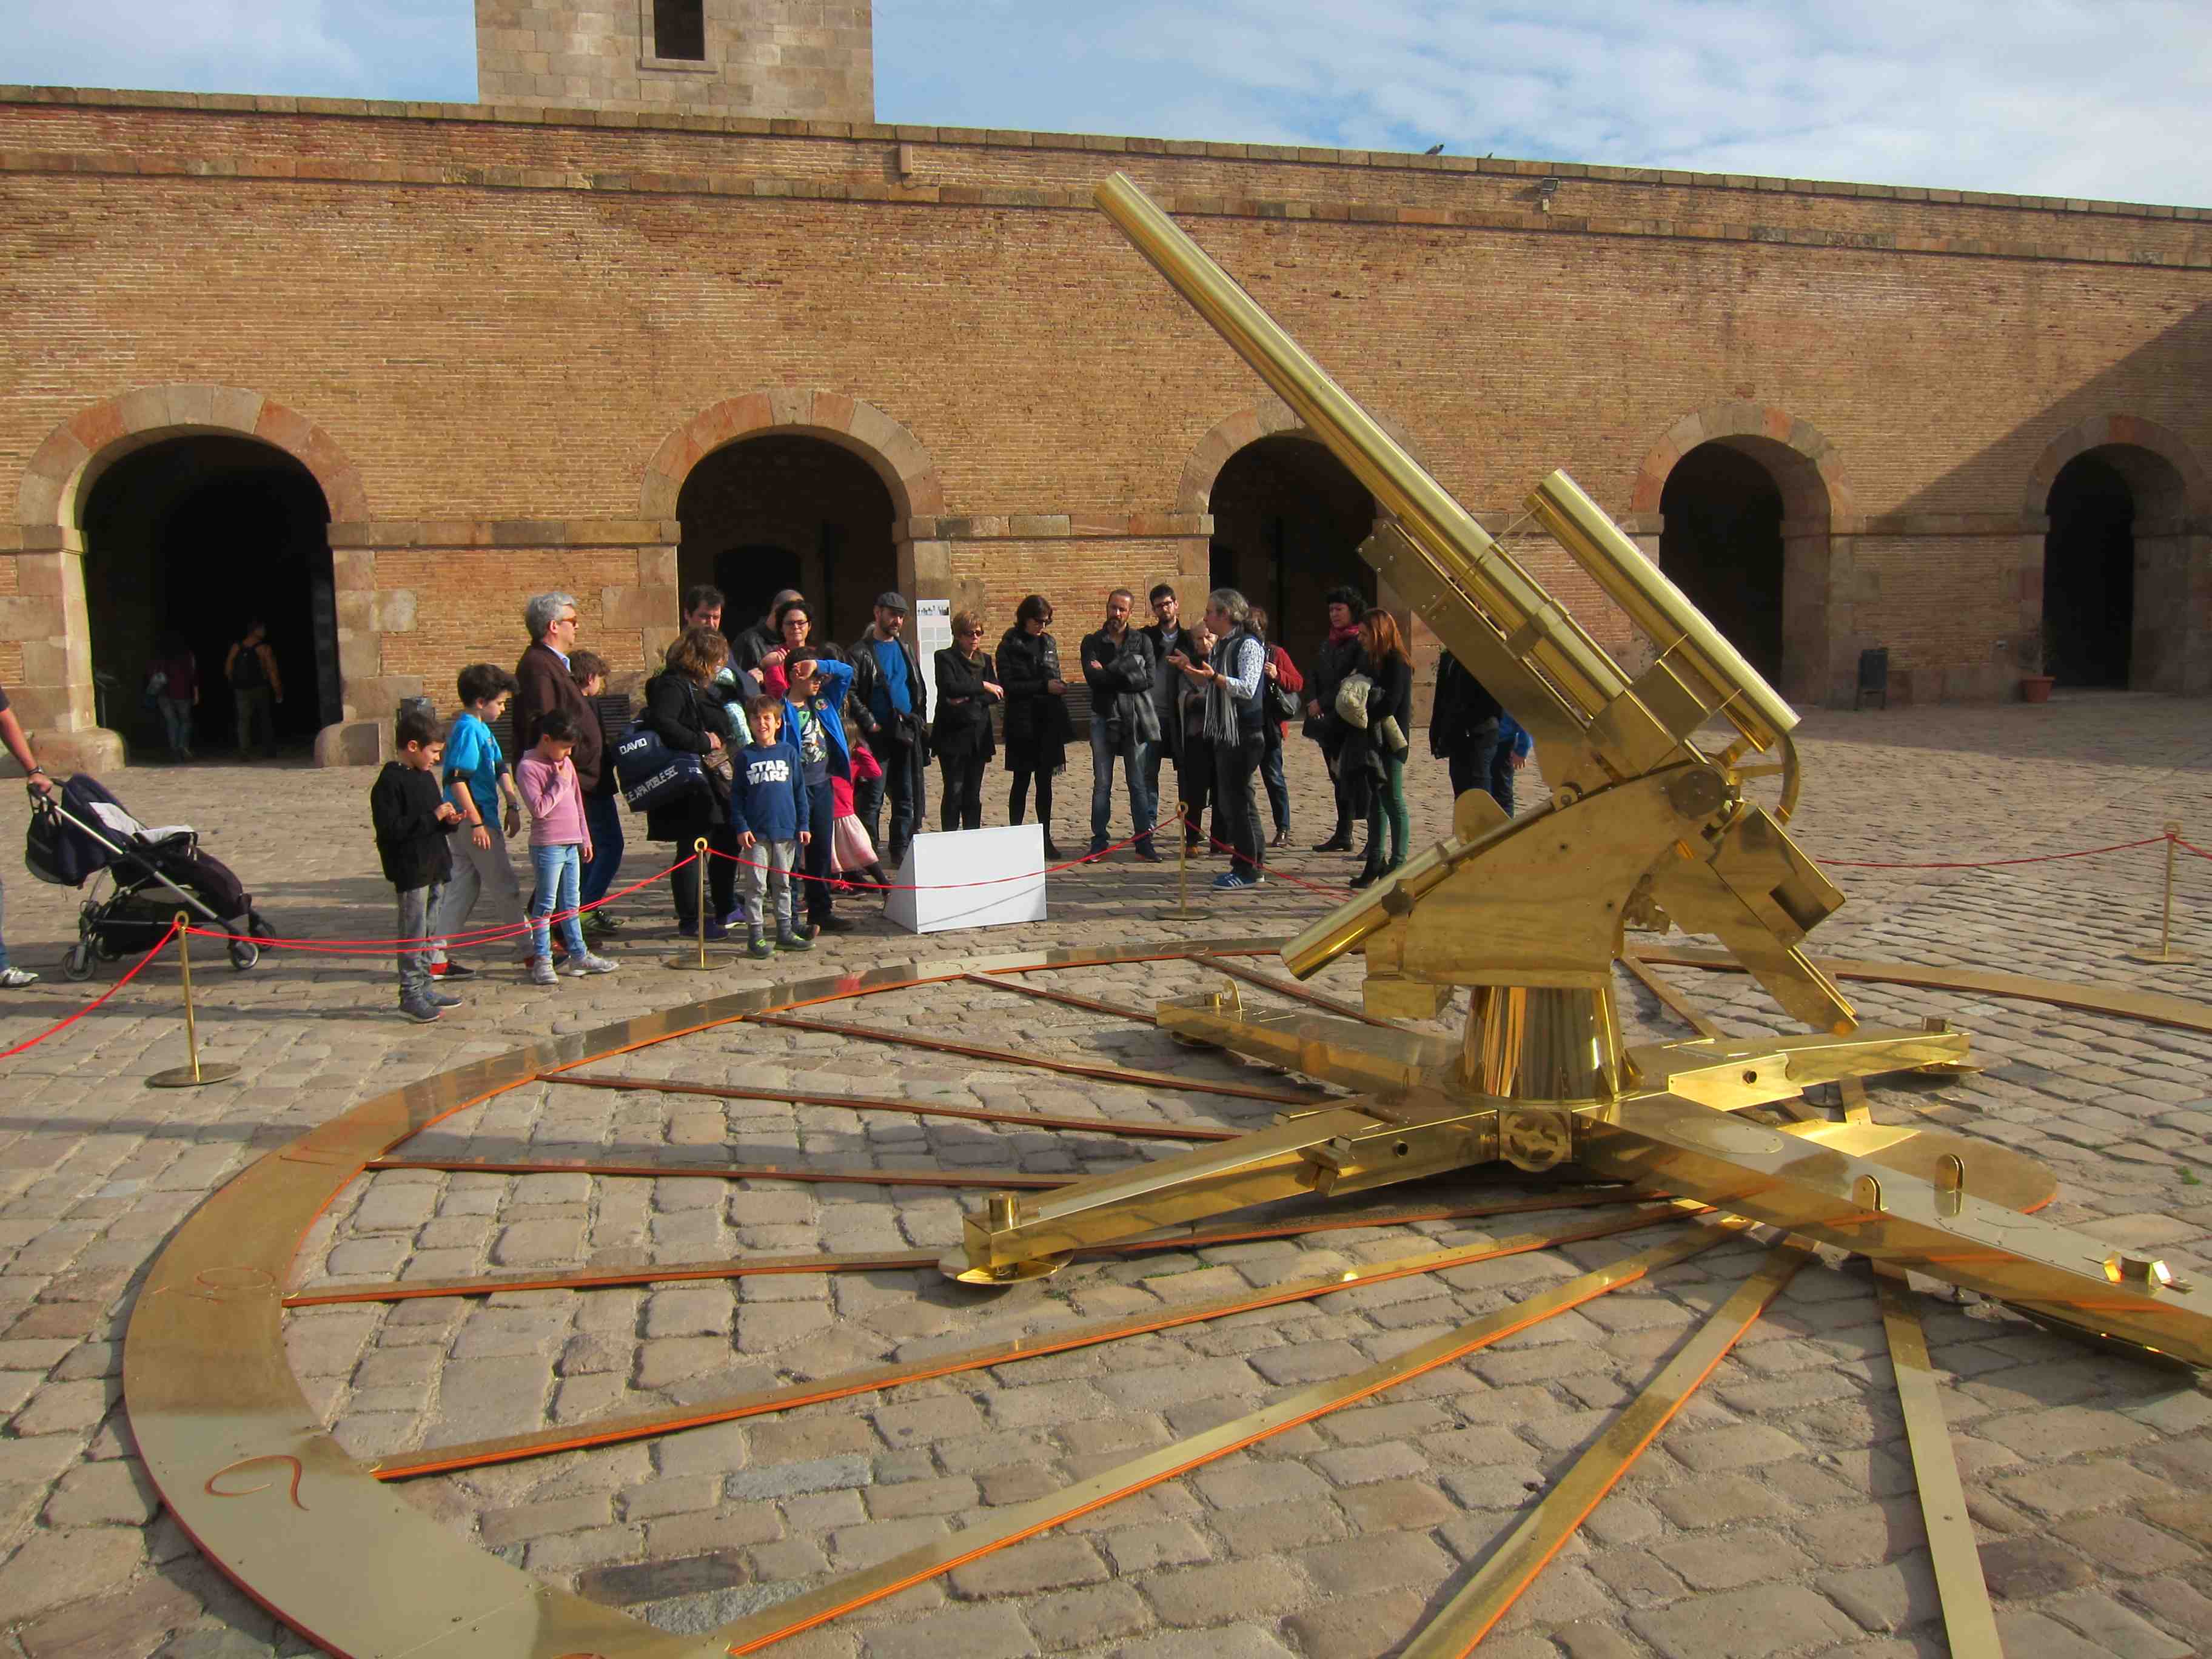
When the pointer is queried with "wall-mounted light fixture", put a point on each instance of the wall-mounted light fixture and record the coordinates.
(1546, 190)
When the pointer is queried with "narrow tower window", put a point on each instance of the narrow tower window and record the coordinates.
(679, 29)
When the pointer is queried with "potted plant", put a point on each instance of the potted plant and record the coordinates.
(2034, 684)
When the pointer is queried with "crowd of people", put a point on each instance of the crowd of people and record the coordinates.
(779, 752)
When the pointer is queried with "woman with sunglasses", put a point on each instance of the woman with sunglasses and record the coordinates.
(1038, 725)
(967, 686)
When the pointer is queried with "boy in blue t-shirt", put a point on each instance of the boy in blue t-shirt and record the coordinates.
(769, 816)
(475, 778)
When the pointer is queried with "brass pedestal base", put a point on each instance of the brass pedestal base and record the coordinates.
(192, 1077)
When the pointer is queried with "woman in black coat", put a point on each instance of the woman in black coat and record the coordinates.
(1038, 725)
(1382, 746)
(967, 686)
(684, 711)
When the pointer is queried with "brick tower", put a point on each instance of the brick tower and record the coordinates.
(814, 60)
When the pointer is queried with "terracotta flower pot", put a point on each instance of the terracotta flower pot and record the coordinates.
(2035, 688)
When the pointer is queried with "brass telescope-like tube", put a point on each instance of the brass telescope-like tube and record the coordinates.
(1445, 533)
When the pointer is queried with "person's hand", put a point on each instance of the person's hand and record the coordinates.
(1520, 761)
(481, 836)
(1055, 687)
(1313, 709)
(806, 838)
(585, 852)
(1178, 660)
(40, 784)
(1095, 668)
(513, 817)
(748, 839)
(714, 743)
(1271, 671)
(448, 813)
(998, 691)
(774, 659)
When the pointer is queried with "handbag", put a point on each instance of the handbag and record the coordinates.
(651, 774)
(1282, 702)
(1352, 695)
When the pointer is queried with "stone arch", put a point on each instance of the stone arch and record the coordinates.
(1820, 517)
(56, 690)
(899, 458)
(2171, 643)
(63, 468)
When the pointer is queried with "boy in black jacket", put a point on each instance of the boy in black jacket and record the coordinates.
(412, 818)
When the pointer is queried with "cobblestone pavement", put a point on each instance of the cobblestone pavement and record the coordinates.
(1775, 1517)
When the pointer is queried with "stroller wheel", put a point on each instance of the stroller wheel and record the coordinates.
(243, 955)
(78, 963)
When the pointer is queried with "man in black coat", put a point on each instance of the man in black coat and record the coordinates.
(1125, 723)
(1463, 728)
(1165, 636)
(890, 704)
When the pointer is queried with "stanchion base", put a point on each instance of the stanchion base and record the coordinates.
(1180, 912)
(2156, 957)
(690, 962)
(182, 1076)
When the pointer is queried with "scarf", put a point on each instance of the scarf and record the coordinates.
(1220, 701)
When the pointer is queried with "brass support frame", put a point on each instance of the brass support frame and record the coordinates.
(1510, 1567)
(1037, 993)
(2166, 953)
(1019, 1521)
(1968, 1623)
(850, 1176)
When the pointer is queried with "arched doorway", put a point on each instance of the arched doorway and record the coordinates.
(2114, 569)
(195, 536)
(1288, 520)
(1720, 542)
(789, 510)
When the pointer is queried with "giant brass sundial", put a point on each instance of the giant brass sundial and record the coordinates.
(1701, 1140)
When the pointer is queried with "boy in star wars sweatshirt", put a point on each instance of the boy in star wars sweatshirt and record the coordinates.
(769, 815)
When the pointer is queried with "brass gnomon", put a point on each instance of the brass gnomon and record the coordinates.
(1645, 829)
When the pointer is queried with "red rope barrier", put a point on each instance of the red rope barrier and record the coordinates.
(1994, 864)
(64, 1024)
(942, 886)
(372, 947)
(2187, 846)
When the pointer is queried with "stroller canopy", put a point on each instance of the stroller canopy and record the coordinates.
(69, 853)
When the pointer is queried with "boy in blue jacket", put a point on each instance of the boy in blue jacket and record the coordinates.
(769, 815)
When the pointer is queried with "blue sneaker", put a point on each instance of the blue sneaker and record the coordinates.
(1232, 880)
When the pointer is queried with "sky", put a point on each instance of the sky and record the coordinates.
(2082, 97)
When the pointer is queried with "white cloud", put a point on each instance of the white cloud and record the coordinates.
(2101, 98)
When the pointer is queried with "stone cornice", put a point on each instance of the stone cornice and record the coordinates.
(1102, 145)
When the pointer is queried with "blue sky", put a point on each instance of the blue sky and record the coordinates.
(2045, 97)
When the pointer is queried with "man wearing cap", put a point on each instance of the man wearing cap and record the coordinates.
(894, 708)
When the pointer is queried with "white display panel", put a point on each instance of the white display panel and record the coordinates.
(938, 864)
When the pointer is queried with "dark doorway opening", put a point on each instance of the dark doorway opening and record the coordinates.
(1288, 520)
(2089, 575)
(1721, 543)
(789, 511)
(196, 536)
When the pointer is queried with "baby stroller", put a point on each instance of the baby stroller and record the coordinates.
(81, 831)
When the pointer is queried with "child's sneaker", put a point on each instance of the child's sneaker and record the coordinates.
(588, 964)
(420, 1009)
(450, 969)
(541, 971)
(14, 979)
(444, 999)
(756, 945)
(789, 937)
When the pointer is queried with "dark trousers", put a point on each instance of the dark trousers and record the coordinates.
(603, 815)
(900, 784)
(962, 807)
(1017, 799)
(257, 720)
(1343, 784)
(1501, 777)
(1472, 759)
(1271, 774)
(1234, 765)
(1195, 786)
(820, 815)
(721, 878)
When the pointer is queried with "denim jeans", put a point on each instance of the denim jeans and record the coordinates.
(177, 723)
(817, 857)
(1471, 760)
(1278, 787)
(1136, 756)
(603, 816)
(558, 869)
(898, 784)
(414, 907)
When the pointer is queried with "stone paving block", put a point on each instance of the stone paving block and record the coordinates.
(2030, 1635)
(2096, 1615)
(131, 1622)
(1141, 1548)
(57, 1567)
(1744, 1624)
(2126, 1547)
(1265, 1587)
(981, 1632)
(2023, 1569)
(1894, 1595)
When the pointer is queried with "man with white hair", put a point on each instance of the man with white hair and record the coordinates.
(543, 683)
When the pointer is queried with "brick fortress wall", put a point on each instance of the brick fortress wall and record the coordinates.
(504, 337)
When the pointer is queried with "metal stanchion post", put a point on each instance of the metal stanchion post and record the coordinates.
(1183, 912)
(684, 959)
(2165, 952)
(192, 1076)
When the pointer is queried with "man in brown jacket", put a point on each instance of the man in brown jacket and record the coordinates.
(542, 684)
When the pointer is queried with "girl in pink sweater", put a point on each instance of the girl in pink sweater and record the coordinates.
(560, 843)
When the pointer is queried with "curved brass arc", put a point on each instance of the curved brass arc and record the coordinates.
(208, 1387)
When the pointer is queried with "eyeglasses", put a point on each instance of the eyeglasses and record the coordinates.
(971, 633)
